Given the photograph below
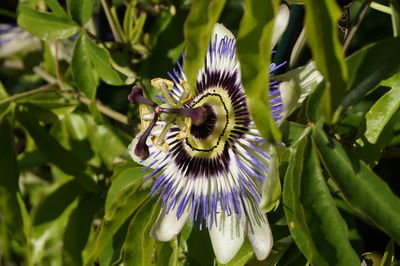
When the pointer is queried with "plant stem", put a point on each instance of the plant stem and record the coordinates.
(381, 8)
(395, 5)
(47, 87)
(111, 21)
(357, 21)
(106, 110)
(102, 108)
(56, 63)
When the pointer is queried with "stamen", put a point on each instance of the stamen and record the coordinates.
(136, 96)
(198, 114)
(164, 85)
(141, 149)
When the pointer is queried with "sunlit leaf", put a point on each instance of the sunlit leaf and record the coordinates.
(100, 59)
(82, 68)
(56, 8)
(381, 112)
(44, 25)
(198, 28)
(81, 10)
(254, 41)
(327, 51)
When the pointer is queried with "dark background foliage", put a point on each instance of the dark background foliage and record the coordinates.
(70, 194)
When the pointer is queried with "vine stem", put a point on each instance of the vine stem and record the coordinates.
(101, 107)
(44, 88)
(355, 25)
(395, 5)
(111, 21)
(106, 110)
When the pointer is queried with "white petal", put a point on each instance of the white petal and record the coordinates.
(227, 237)
(156, 156)
(281, 22)
(221, 54)
(221, 31)
(14, 39)
(167, 225)
(260, 237)
(300, 82)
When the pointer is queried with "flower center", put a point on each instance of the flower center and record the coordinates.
(204, 130)
(208, 139)
(198, 117)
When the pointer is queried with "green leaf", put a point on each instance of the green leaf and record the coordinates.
(3, 95)
(122, 205)
(139, 246)
(80, 10)
(113, 252)
(272, 188)
(242, 257)
(388, 256)
(9, 176)
(77, 126)
(27, 229)
(313, 105)
(138, 28)
(51, 207)
(44, 25)
(82, 69)
(78, 228)
(198, 28)
(278, 250)
(313, 219)
(100, 59)
(86, 58)
(101, 138)
(365, 192)
(200, 250)
(47, 235)
(133, 25)
(253, 47)
(129, 18)
(56, 8)
(292, 132)
(8, 161)
(127, 177)
(371, 153)
(54, 152)
(327, 51)
(381, 112)
(369, 66)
